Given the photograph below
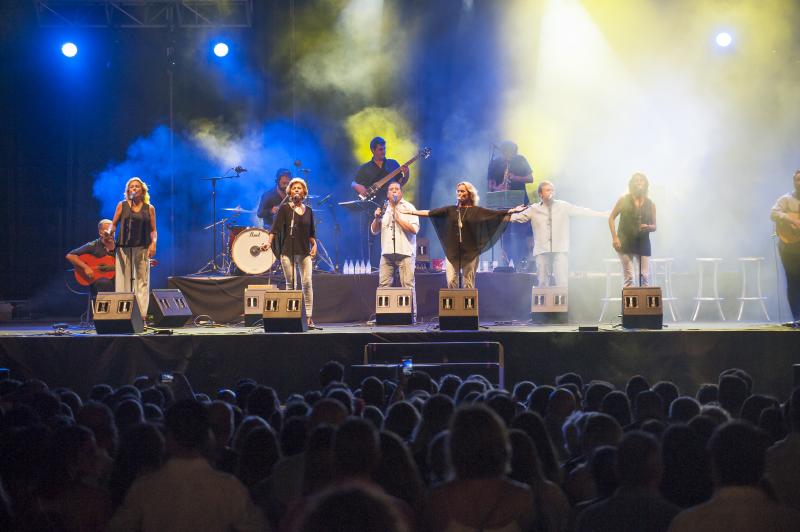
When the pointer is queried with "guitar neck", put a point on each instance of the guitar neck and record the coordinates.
(391, 175)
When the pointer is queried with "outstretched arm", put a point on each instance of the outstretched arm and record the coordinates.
(611, 218)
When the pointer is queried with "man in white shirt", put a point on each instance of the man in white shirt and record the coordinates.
(550, 221)
(398, 232)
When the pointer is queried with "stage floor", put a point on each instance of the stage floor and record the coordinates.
(213, 357)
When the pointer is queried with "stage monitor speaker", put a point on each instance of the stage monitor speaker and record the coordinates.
(254, 303)
(641, 307)
(458, 309)
(284, 311)
(169, 308)
(549, 304)
(117, 313)
(439, 358)
(393, 306)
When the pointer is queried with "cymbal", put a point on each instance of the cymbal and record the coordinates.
(238, 210)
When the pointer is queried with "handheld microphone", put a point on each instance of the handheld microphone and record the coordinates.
(394, 198)
(131, 195)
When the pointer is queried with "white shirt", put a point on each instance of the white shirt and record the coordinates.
(405, 243)
(187, 495)
(551, 224)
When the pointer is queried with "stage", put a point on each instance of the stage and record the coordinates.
(214, 357)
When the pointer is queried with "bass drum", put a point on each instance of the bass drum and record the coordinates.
(247, 254)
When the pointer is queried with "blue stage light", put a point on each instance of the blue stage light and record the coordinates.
(69, 49)
(220, 49)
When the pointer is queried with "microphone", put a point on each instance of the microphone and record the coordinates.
(296, 198)
(394, 198)
(131, 195)
(239, 169)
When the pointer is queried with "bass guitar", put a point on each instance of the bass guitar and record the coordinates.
(372, 191)
(788, 233)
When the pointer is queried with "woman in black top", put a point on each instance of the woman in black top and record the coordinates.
(466, 230)
(136, 243)
(293, 237)
(637, 219)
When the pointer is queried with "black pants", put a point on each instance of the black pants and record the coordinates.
(101, 285)
(790, 257)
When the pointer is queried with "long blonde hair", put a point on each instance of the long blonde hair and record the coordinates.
(145, 190)
(473, 192)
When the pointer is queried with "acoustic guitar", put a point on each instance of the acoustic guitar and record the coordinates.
(788, 233)
(103, 268)
(372, 191)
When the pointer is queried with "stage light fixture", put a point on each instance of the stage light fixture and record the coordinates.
(69, 49)
(220, 49)
(724, 39)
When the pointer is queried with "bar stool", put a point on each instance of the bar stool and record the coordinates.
(702, 264)
(662, 270)
(744, 297)
(609, 297)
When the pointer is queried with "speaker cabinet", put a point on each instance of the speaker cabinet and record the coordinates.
(117, 313)
(641, 307)
(549, 304)
(254, 303)
(458, 309)
(169, 308)
(284, 311)
(393, 306)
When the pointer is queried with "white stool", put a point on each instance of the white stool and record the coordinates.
(662, 276)
(745, 297)
(713, 263)
(610, 289)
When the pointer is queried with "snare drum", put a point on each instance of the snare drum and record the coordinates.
(246, 251)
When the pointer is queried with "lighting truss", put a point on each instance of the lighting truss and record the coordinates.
(144, 14)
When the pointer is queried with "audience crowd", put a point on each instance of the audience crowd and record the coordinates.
(409, 454)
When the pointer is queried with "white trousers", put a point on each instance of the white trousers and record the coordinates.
(555, 264)
(467, 272)
(405, 265)
(630, 266)
(306, 268)
(136, 260)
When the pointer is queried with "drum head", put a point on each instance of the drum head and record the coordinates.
(247, 254)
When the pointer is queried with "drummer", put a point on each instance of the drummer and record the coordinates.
(271, 200)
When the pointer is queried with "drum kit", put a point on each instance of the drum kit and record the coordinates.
(243, 246)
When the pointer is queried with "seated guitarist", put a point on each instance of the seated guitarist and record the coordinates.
(379, 166)
(103, 246)
(786, 215)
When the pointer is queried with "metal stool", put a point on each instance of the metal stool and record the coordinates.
(702, 263)
(744, 297)
(609, 297)
(662, 269)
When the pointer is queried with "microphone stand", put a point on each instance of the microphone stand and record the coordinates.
(460, 250)
(131, 265)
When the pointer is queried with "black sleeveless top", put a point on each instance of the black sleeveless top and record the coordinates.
(134, 227)
(633, 240)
